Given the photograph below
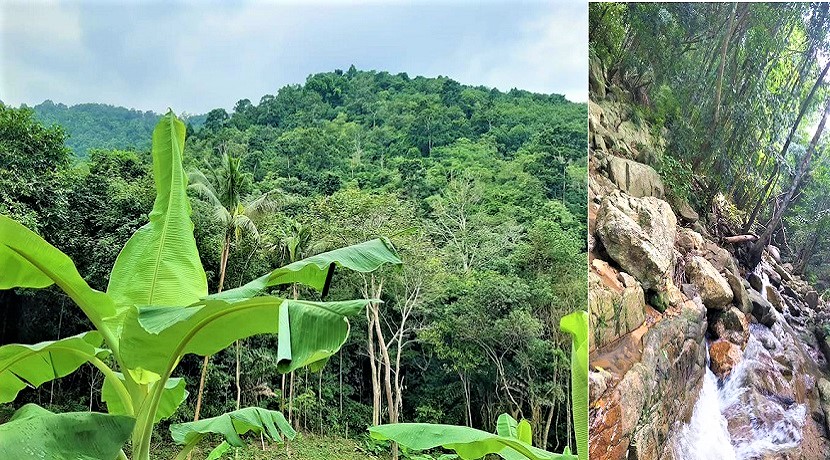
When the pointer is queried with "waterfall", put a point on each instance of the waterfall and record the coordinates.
(740, 418)
(706, 436)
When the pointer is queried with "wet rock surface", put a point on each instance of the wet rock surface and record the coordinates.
(723, 357)
(762, 325)
(769, 384)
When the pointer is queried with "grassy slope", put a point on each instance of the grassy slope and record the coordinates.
(308, 447)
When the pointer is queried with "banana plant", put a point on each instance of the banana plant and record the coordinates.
(512, 440)
(156, 310)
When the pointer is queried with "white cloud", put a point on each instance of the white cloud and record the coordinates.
(198, 56)
(550, 54)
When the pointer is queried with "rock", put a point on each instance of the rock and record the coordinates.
(776, 393)
(774, 298)
(723, 357)
(824, 396)
(783, 273)
(617, 304)
(739, 296)
(719, 257)
(774, 277)
(755, 281)
(731, 325)
(684, 211)
(774, 252)
(638, 234)
(761, 308)
(635, 179)
(597, 384)
(714, 290)
(788, 267)
(688, 240)
(812, 299)
(655, 394)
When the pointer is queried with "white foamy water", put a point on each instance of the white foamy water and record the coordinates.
(705, 437)
(763, 426)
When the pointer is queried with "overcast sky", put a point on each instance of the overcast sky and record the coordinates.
(194, 57)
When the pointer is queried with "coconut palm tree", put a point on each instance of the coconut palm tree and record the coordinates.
(223, 190)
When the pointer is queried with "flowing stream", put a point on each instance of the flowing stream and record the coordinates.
(749, 415)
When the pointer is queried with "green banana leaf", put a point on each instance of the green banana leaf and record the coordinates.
(576, 324)
(34, 433)
(230, 426)
(468, 443)
(153, 339)
(315, 271)
(219, 451)
(173, 396)
(29, 261)
(524, 432)
(160, 263)
(311, 332)
(33, 365)
(506, 426)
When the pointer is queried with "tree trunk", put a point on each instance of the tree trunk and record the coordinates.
(368, 292)
(386, 363)
(238, 385)
(726, 39)
(291, 402)
(468, 412)
(806, 253)
(803, 109)
(296, 295)
(804, 165)
(546, 431)
(762, 197)
(223, 263)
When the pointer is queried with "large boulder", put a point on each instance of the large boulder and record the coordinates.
(655, 394)
(732, 325)
(617, 304)
(635, 179)
(714, 290)
(774, 298)
(719, 257)
(596, 79)
(762, 310)
(685, 211)
(824, 395)
(688, 240)
(638, 234)
(774, 252)
(739, 296)
(755, 281)
(723, 357)
(812, 301)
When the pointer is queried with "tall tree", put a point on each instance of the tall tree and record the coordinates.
(223, 191)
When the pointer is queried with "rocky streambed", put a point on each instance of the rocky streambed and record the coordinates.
(692, 355)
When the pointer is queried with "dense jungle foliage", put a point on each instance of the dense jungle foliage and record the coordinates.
(101, 126)
(481, 192)
(740, 92)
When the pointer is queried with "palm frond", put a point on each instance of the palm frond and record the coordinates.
(263, 204)
(243, 225)
(206, 193)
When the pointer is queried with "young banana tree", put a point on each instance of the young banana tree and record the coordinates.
(155, 311)
(512, 440)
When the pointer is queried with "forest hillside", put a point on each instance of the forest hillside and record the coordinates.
(481, 192)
